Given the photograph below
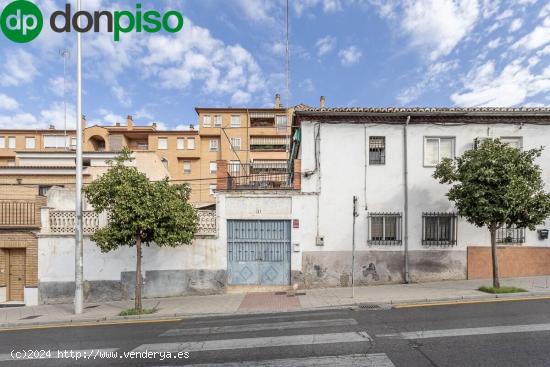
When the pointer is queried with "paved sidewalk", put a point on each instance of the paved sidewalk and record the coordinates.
(270, 302)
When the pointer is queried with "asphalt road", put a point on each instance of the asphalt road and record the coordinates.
(487, 334)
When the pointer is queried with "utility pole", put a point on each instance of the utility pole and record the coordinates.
(355, 215)
(79, 261)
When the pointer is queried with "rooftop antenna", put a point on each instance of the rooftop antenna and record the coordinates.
(65, 54)
(287, 76)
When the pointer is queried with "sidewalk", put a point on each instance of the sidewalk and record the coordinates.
(270, 302)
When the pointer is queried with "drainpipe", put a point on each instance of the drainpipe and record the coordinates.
(406, 199)
(366, 165)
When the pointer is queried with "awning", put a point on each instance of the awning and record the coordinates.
(262, 115)
(268, 141)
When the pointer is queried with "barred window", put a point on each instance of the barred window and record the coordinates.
(510, 234)
(439, 229)
(384, 229)
(377, 150)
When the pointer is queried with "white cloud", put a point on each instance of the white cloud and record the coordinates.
(121, 95)
(329, 6)
(539, 37)
(437, 26)
(432, 78)
(494, 43)
(18, 68)
(257, 10)
(19, 121)
(350, 55)
(278, 48)
(55, 115)
(325, 45)
(515, 25)
(513, 85)
(193, 55)
(8, 103)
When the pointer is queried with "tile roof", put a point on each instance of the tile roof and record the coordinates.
(426, 110)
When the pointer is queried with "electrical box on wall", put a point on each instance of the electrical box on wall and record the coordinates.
(320, 240)
(543, 234)
(296, 247)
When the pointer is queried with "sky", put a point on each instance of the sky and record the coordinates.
(364, 53)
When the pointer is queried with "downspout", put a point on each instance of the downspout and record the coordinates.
(406, 201)
(366, 167)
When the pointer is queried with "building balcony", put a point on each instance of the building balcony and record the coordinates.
(19, 214)
(258, 176)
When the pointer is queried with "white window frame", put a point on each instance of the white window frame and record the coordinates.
(73, 142)
(235, 121)
(64, 140)
(211, 188)
(213, 167)
(187, 171)
(234, 167)
(438, 138)
(180, 143)
(508, 139)
(2, 142)
(191, 143)
(213, 147)
(280, 126)
(235, 143)
(12, 142)
(28, 140)
(217, 120)
(163, 147)
(207, 121)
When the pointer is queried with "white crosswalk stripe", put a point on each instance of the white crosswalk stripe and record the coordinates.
(425, 334)
(259, 327)
(261, 342)
(352, 360)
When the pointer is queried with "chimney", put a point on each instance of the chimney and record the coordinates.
(83, 122)
(154, 125)
(52, 127)
(117, 124)
(322, 102)
(191, 127)
(277, 100)
(129, 122)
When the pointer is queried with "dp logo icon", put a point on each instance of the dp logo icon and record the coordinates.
(21, 21)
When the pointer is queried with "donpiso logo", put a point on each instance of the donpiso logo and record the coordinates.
(21, 21)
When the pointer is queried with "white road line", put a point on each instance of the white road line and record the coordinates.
(258, 318)
(83, 354)
(352, 360)
(425, 334)
(258, 327)
(247, 343)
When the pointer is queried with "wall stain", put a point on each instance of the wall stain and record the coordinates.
(371, 270)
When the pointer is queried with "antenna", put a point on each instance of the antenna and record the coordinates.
(65, 54)
(287, 77)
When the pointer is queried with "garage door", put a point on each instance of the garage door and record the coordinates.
(258, 252)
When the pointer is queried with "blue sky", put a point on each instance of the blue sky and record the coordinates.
(231, 53)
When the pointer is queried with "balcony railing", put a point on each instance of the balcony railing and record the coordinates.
(19, 214)
(63, 222)
(258, 176)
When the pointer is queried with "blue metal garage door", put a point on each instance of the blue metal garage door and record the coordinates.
(258, 252)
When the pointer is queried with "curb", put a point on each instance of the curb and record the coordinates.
(177, 316)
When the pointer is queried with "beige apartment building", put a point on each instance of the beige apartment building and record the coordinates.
(251, 140)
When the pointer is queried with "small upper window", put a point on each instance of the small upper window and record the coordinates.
(30, 143)
(186, 167)
(163, 143)
(56, 141)
(377, 150)
(217, 121)
(206, 121)
(513, 141)
(11, 142)
(2, 142)
(181, 143)
(235, 121)
(213, 145)
(281, 122)
(436, 149)
(213, 167)
(191, 143)
(236, 143)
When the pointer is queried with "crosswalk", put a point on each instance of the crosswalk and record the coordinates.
(350, 336)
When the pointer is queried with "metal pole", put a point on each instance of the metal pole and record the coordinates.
(355, 215)
(79, 262)
(406, 199)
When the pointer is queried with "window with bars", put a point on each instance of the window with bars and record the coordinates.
(439, 229)
(384, 229)
(511, 234)
(377, 150)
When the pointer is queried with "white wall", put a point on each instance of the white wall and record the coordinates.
(342, 175)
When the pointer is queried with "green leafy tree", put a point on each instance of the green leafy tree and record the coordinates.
(141, 212)
(496, 185)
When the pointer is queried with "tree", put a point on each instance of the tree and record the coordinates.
(496, 185)
(140, 212)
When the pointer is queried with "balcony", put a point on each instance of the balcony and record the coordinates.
(19, 214)
(258, 176)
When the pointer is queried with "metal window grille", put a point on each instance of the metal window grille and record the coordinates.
(439, 229)
(384, 229)
(377, 150)
(511, 235)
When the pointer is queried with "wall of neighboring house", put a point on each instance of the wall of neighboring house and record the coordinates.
(195, 269)
(343, 166)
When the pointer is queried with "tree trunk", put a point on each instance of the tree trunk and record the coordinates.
(138, 274)
(493, 230)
